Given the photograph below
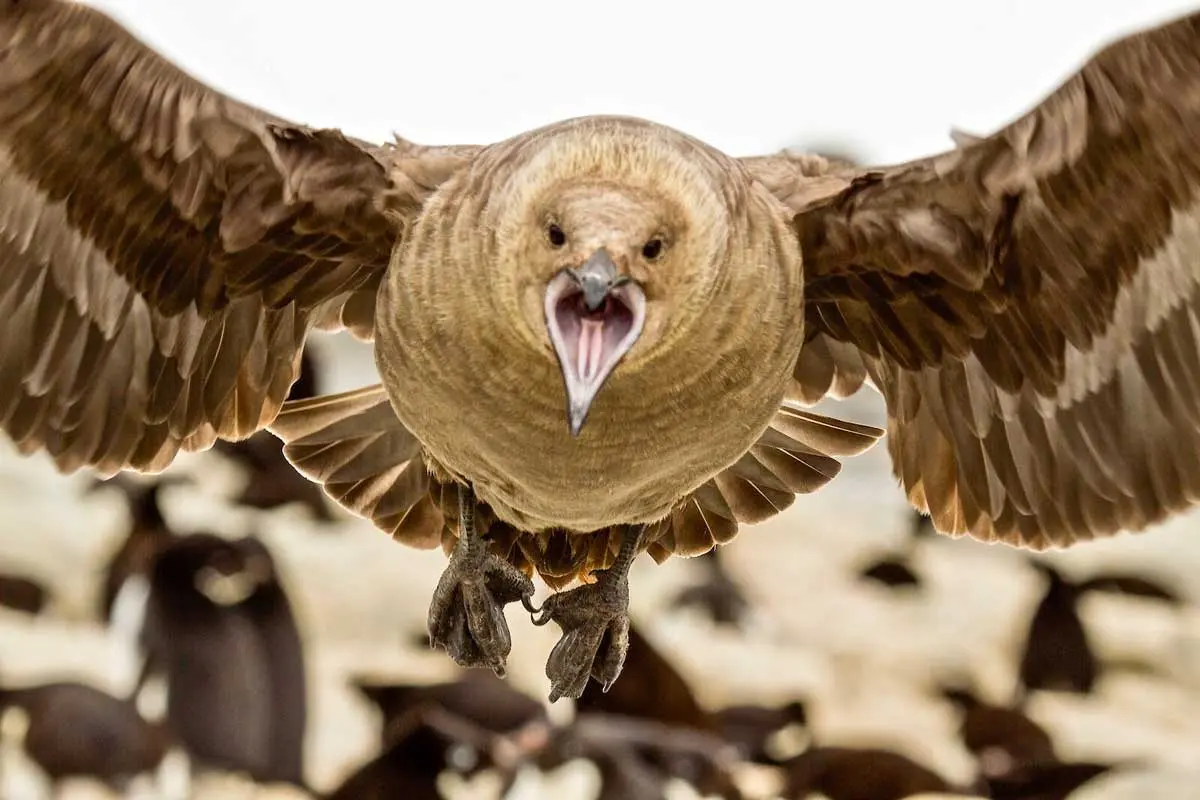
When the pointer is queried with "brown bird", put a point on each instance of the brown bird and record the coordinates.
(478, 697)
(1051, 781)
(424, 742)
(636, 758)
(1004, 740)
(595, 338)
(751, 727)
(843, 773)
(76, 731)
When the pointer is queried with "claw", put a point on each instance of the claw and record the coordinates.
(531, 608)
(546, 612)
(595, 624)
(466, 615)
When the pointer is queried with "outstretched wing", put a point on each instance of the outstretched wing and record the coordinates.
(1027, 303)
(164, 249)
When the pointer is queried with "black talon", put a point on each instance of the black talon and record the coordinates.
(466, 615)
(530, 607)
(595, 624)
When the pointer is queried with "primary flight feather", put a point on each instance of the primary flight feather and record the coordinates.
(597, 338)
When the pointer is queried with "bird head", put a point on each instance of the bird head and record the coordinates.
(226, 571)
(616, 231)
(594, 307)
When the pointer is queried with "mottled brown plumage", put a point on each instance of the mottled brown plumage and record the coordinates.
(1023, 302)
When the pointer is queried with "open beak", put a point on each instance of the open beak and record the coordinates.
(594, 315)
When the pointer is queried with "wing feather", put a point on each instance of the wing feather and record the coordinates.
(165, 249)
(796, 454)
(1027, 302)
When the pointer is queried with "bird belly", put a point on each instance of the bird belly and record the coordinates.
(645, 446)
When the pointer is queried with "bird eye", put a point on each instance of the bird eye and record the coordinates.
(652, 249)
(555, 235)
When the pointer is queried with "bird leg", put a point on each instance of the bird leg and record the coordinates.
(466, 615)
(595, 624)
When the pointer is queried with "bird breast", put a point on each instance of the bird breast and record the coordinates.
(489, 408)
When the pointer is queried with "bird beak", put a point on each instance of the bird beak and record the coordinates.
(594, 315)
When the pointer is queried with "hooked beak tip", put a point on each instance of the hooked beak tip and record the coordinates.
(575, 420)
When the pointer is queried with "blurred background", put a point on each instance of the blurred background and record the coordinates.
(837, 651)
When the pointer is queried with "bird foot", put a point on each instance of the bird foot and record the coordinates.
(466, 615)
(595, 624)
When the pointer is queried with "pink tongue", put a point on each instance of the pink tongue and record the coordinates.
(591, 346)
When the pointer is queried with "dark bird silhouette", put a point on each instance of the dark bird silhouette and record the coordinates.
(843, 773)
(22, 594)
(271, 480)
(656, 692)
(424, 742)
(636, 757)
(219, 628)
(751, 727)
(892, 572)
(1057, 655)
(1129, 585)
(717, 594)
(148, 533)
(631, 373)
(478, 697)
(79, 731)
(1050, 781)
(1004, 740)
(270, 612)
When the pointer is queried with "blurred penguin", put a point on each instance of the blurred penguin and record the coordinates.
(220, 631)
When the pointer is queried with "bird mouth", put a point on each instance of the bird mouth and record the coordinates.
(593, 315)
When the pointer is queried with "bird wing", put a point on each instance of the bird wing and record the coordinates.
(1027, 303)
(165, 249)
(797, 454)
(354, 445)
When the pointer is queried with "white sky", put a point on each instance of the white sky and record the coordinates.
(884, 78)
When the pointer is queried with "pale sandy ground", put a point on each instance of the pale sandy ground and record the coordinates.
(862, 655)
